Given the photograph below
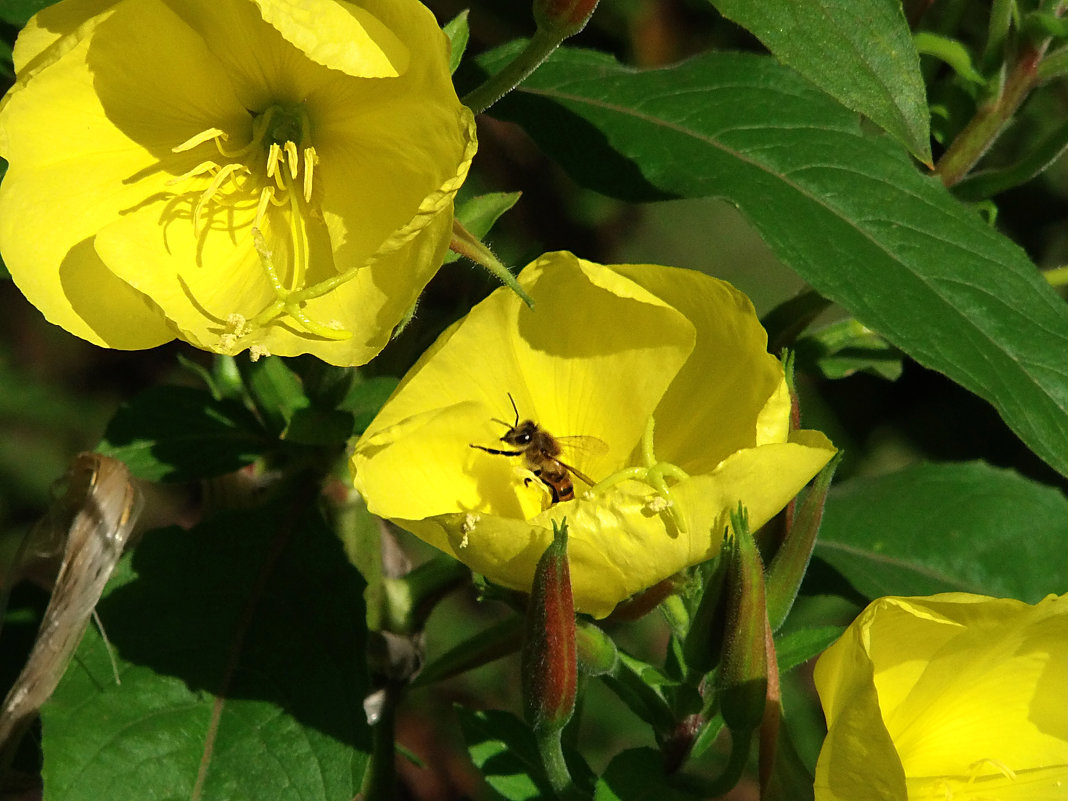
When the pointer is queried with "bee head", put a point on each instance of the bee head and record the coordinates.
(520, 434)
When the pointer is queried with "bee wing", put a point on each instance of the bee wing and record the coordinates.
(583, 445)
(578, 446)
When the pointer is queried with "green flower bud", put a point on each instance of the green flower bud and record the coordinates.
(704, 640)
(597, 652)
(788, 567)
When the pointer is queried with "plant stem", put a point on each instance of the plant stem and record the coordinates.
(379, 780)
(539, 47)
(991, 118)
(550, 748)
(736, 762)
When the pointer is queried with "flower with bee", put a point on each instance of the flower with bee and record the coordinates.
(663, 378)
(241, 174)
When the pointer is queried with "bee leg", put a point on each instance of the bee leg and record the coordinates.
(496, 451)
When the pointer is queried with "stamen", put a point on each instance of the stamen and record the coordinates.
(977, 769)
(200, 169)
(213, 187)
(311, 158)
(293, 158)
(274, 157)
(282, 135)
(200, 138)
(238, 324)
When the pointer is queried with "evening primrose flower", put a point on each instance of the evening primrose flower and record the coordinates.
(241, 174)
(955, 696)
(663, 376)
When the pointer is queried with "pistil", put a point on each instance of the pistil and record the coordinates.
(284, 180)
(653, 472)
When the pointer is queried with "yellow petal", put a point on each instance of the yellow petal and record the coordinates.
(381, 293)
(971, 692)
(342, 36)
(732, 372)
(196, 283)
(54, 30)
(858, 761)
(997, 685)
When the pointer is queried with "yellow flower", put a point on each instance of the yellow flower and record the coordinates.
(954, 697)
(242, 174)
(606, 351)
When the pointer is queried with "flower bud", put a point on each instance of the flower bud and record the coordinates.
(548, 660)
(742, 680)
(597, 652)
(563, 17)
(704, 640)
(787, 568)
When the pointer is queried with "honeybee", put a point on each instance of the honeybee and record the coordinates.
(541, 452)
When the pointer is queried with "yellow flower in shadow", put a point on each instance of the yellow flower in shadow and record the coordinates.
(660, 379)
(956, 696)
(242, 174)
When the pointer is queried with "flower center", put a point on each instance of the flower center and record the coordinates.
(655, 473)
(274, 170)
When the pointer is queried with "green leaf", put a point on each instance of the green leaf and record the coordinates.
(503, 749)
(846, 210)
(707, 737)
(18, 12)
(638, 685)
(319, 427)
(1054, 65)
(7, 70)
(637, 775)
(365, 398)
(847, 347)
(858, 51)
(274, 389)
(797, 647)
(240, 649)
(790, 778)
(949, 51)
(935, 528)
(458, 32)
(483, 647)
(986, 183)
(182, 434)
(1045, 22)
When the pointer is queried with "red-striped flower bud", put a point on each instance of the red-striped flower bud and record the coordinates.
(563, 17)
(549, 661)
(742, 680)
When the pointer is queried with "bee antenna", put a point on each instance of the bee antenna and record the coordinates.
(514, 409)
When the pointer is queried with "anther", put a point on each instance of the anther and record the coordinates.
(293, 158)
